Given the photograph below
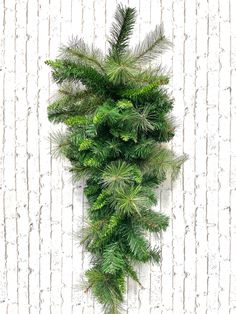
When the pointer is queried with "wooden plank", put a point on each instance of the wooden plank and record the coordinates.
(21, 157)
(44, 158)
(224, 157)
(166, 270)
(232, 300)
(201, 158)
(212, 159)
(9, 185)
(177, 193)
(33, 154)
(189, 148)
(3, 266)
(56, 172)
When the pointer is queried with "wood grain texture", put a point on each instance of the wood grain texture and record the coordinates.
(41, 263)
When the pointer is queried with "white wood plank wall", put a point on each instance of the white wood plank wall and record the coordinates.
(40, 262)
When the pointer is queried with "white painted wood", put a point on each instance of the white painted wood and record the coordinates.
(3, 275)
(177, 189)
(224, 158)
(189, 147)
(21, 157)
(201, 157)
(165, 272)
(41, 263)
(232, 303)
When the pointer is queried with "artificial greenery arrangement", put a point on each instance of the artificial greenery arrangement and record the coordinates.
(116, 110)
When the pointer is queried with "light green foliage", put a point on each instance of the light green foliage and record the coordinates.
(124, 104)
(130, 200)
(78, 51)
(101, 200)
(121, 70)
(59, 143)
(85, 144)
(153, 44)
(79, 120)
(117, 117)
(162, 161)
(120, 174)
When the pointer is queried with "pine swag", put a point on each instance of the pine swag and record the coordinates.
(117, 114)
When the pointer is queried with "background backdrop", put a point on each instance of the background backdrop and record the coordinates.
(40, 262)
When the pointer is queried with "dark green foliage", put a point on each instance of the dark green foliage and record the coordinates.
(117, 114)
(121, 31)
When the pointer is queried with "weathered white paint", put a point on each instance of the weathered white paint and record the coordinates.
(40, 261)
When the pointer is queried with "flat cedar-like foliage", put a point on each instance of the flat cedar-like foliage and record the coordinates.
(117, 114)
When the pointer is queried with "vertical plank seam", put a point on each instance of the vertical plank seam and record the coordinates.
(218, 158)
(207, 151)
(183, 145)
(49, 94)
(39, 178)
(61, 302)
(3, 160)
(27, 154)
(195, 150)
(16, 209)
(230, 166)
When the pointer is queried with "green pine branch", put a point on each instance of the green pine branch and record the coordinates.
(66, 70)
(153, 44)
(116, 114)
(78, 51)
(121, 30)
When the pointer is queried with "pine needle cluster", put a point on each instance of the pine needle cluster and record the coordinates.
(117, 112)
